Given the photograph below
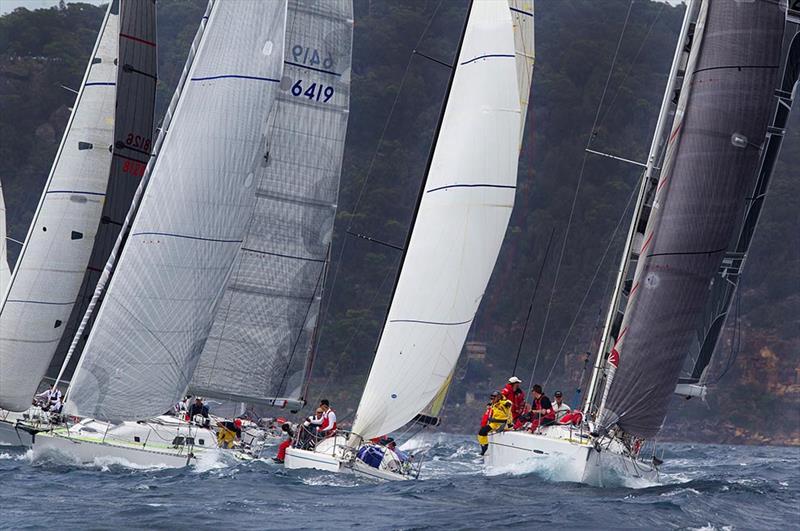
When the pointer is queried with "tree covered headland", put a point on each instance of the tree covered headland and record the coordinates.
(395, 103)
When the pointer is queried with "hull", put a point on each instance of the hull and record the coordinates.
(165, 441)
(11, 436)
(563, 455)
(329, 456)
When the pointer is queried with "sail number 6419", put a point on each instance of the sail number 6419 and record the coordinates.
(314, 91)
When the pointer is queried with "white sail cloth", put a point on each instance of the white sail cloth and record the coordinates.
(261, 338)
(462, 218)
(51, 266)
(159, 305)
(5, 273)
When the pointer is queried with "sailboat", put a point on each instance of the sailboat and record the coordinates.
(261, 345)
(156, 300)
(462, 213)
(734, 72)
(96, 170)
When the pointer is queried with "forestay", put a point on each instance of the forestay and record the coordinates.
(53, 261)
(709, 172)
(133, 130)
(261, 339)
(159, 305)
(463, 214)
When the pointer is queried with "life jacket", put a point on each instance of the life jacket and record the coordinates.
(501, 412)
(326, 422)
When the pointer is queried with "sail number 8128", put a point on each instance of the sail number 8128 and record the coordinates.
(314, 91)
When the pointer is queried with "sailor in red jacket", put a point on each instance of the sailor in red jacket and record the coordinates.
(516, 396)
(542, 413)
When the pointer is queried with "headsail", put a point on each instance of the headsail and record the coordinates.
(133, 136)
(160, 302)
(5, 272)
(522, 18)
(261, 337)
(53, 261)
(460, 224)
(708, 173)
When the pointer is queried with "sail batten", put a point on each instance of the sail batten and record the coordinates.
(262, 336)
(467, 198)
(167, 283)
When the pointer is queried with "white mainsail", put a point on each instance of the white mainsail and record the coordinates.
(160, 302)
(51, 266)
(261, 339)
(5, 272)
(462, 218)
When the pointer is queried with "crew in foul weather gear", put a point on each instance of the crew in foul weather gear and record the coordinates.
(228, 433)
(516, 395)
(542, 413)
(499, 418)
(287, 429)
(198, 408)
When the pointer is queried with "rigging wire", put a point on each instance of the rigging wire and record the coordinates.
(623, 217)
(578, 186)
(736, 339)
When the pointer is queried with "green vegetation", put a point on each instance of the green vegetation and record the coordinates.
(43, 49)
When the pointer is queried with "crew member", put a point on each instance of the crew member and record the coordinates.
(286, 428)
(228, 433)
(499, 418)
(49, 397)
(542, 413)
(328, 428)
(198, 408)
(560, 408)
(516, 395)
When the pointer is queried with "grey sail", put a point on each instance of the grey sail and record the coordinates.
(710, 170)
(133, 131)
(260, 344)
(159, 304)
(52, 264)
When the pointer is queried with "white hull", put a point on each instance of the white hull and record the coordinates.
(327, 456)
(147, 444)
(566, 457)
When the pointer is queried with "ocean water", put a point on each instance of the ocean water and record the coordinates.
(702, 487)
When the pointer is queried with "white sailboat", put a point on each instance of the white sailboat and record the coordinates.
(463, 211)
(161, 289)
(698, 206)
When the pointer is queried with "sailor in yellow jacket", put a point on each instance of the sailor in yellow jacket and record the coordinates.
(496, 418)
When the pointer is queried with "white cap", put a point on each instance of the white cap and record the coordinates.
(514, 380)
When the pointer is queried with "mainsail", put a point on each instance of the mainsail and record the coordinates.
(708, 174)
(133, 131)
(459, 226)
(159, 305)
(53, 260)
(261, 339)
(5, 272)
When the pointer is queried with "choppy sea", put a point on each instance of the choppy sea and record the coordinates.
(701, 487)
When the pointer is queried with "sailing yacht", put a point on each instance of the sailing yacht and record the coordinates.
(735, 70)
(87, 193)
(155, 302)
(462, 215)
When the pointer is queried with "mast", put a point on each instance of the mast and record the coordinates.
(647, 182)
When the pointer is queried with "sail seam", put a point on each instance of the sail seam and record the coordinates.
(236, 76)
(247, 249)
(137, 39)
(477, 185)
(218, 240)
(312, 68)
(74, 192)
(430, 322)
(521, 11)
(487, 56)
(679, 253)
(737, 67)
